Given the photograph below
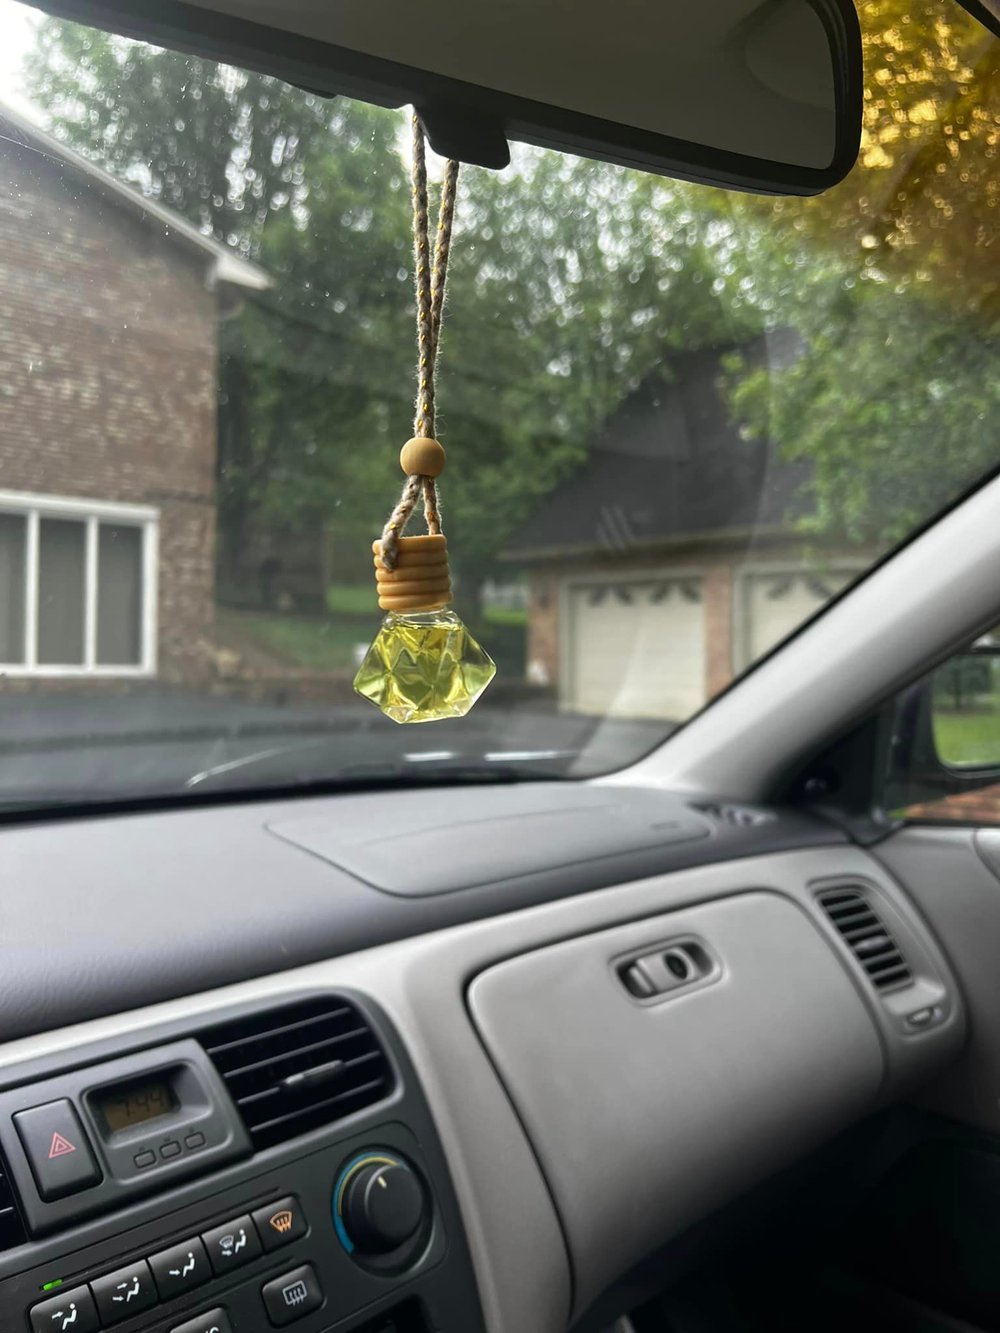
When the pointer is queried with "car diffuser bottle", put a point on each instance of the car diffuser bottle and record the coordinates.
(423, 665)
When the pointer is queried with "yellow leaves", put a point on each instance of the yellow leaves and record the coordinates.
(874, 157)
(924, 112)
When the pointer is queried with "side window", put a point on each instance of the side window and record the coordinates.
(945, 755)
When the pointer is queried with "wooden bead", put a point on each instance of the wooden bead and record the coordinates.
(423, 457)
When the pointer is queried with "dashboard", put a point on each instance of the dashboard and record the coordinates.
(269, 1065)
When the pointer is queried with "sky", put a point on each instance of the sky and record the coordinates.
(17, 22)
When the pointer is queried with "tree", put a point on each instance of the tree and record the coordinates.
(891, 281)
(311, 189)
(569, 279)
(571, 282)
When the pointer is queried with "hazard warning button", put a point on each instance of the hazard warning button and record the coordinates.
(60, 1155)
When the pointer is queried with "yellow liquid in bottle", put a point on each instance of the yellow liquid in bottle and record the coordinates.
(424, 666)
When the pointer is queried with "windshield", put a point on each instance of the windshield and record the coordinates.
(679, 420)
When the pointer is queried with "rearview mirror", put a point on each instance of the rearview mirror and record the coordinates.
(759, 94)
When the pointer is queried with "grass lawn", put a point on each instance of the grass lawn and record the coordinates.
(967, 738)
(352, 599)
(314, 645)
(505, 615)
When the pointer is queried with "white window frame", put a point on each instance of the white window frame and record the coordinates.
(33, 508)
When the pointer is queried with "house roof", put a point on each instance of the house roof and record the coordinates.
(670, 466)
(224, 266)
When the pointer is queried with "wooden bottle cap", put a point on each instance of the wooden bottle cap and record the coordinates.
(421, 580)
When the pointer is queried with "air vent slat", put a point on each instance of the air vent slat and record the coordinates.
(861, 928)
(327, 1039)
(297, 1053)
(364, 1090)
(860, 933)
(736, 816)
(267, 1033)
(277, 1091)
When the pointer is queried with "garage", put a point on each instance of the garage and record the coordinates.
(635, 648)
(774, 603)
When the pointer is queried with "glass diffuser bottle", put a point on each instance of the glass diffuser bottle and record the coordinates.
(423, 664)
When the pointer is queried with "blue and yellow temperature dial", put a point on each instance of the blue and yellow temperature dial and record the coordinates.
(379, 1204)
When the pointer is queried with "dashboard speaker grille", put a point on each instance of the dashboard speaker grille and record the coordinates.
(12, 1230)
(866, 936)
(295, 1068)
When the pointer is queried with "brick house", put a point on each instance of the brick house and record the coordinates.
(672, 559)
(109, 313)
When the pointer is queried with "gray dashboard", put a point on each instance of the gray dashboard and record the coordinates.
(549, 1083)
(103, 914)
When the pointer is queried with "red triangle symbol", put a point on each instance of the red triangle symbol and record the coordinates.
(60, 1147)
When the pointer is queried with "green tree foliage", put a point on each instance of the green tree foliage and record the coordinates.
(891, 280)
(315, 192)
(569, 280)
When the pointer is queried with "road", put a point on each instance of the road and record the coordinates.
(72, 747)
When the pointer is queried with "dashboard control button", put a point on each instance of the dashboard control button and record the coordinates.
(292, 1296)
(212, 1321)
(170, 1149)
(280, 1223)
(73, 1311)
(181, 1268)
(124, 1293)
(383, 1207)
(146, 1158)
(232, 1245)
(195, 1140)
(58, 1150)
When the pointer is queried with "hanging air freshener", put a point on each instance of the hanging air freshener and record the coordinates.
(424, 665)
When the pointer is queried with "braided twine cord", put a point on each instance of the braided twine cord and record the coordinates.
(430, 277)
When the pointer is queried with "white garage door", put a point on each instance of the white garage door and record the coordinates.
(773, 605)
(636, 648)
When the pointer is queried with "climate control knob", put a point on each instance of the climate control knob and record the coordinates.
(383, 1205)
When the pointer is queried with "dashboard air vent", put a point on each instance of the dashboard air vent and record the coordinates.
(869, 941)
(12, 1230)
(292, 1069)
(736, 816)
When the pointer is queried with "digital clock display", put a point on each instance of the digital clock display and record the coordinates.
(134, 1103)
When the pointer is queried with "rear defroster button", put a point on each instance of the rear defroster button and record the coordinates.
(292, 1296)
